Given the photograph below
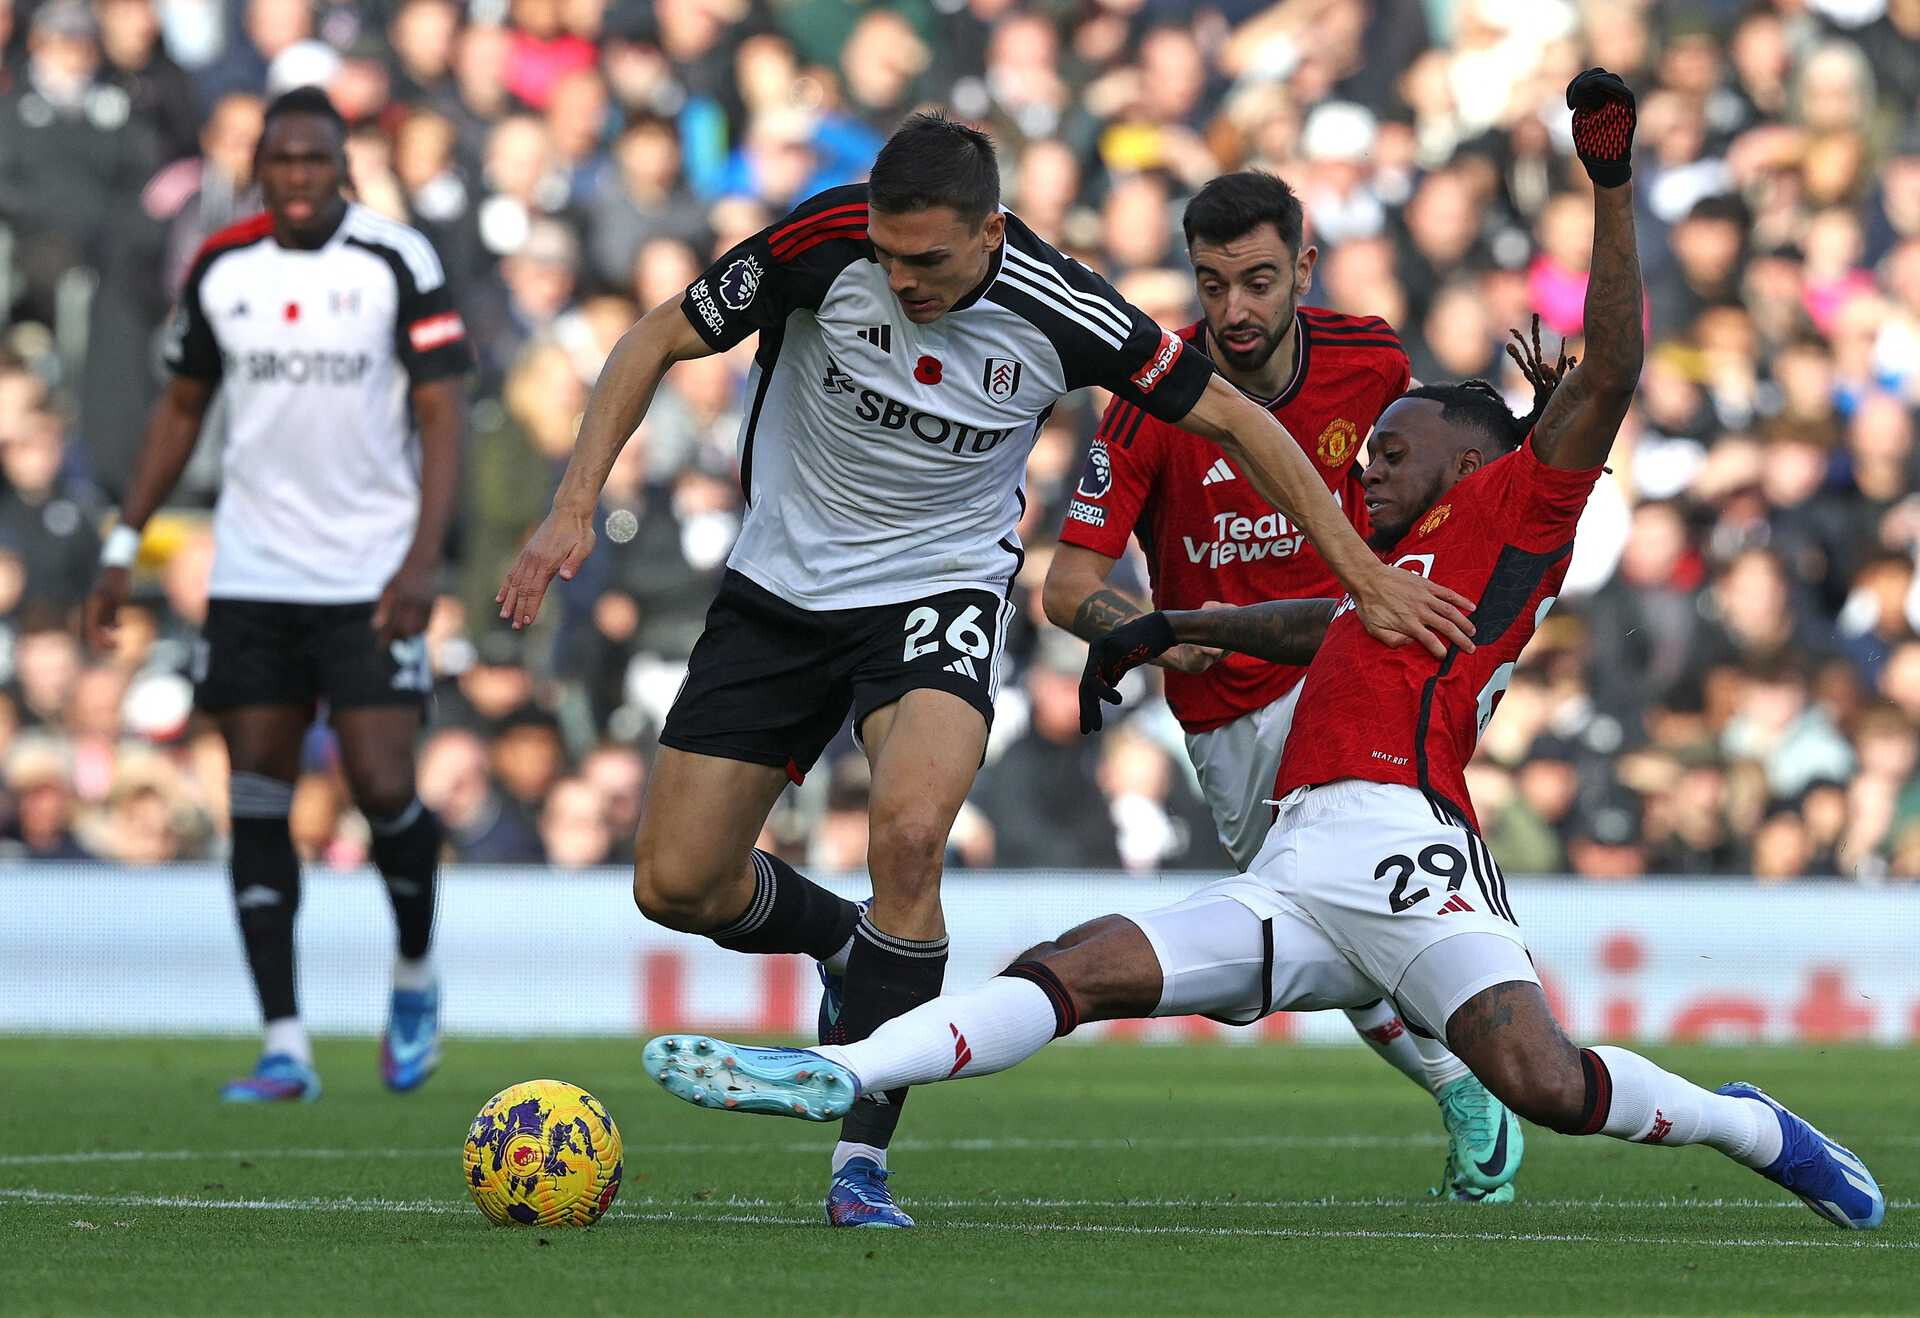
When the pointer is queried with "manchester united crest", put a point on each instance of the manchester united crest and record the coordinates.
(1431, 522)
(1337, 442)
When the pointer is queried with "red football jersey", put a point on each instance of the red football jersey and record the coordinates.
(1503, 537)
(1207, 533)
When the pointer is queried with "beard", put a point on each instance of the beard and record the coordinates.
(1256, 357)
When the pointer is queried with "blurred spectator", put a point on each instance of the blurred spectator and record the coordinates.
(482, 824)
(39, 781)
(573, 825)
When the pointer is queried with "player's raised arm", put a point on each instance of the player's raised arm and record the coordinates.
(619, 400)
(1396, 606)
(1576, 430)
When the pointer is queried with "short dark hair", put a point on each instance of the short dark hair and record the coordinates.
(932, 161)
(1234, 205)
(1479, 406)
(303, 100)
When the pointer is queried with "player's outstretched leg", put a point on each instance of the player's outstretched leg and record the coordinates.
(1485, 1143)
(1509, 1037)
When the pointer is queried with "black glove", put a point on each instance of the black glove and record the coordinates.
(1603, 120)
(1115, 655)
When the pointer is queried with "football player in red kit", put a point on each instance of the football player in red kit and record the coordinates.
(1374, 876)
(1210, 538)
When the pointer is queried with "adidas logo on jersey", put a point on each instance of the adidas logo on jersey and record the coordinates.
(964, 666)
(880, 336)
(1218, 472)
(1453, 904)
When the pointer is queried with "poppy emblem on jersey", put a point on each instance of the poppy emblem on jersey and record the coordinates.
(740, 282)
(1431, 522)
(1337, 442)
(292, 312)
(927, 370)
(1001, 379)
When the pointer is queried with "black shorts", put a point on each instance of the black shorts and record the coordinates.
(253, 652)
(771, 683)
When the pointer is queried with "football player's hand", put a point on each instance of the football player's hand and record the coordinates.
(405, 605)
(1603, 120)
(558, 548)
(1398, 606)
(102, 615)
(1112, 657)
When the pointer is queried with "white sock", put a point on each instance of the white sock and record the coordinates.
(1426, 1062)
(1651, 1106)
(288, 1035)
(1442, 1067)
(987, 1029)
(413, 975)
(837, 963)
(843, 1152)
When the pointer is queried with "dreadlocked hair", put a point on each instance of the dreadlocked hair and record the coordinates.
(1478, 404)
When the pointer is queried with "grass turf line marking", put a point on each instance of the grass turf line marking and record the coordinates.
(990, 1144)
(687, 1215)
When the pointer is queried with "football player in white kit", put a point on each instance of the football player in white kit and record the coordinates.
(913, 336)
(333, 337)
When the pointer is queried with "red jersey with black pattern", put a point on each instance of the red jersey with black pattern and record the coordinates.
(1503, 538)
(1206, 532)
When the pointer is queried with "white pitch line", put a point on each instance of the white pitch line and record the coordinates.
(690, 1214)
(992, 1144)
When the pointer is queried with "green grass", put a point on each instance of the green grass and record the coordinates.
(1092, 1180)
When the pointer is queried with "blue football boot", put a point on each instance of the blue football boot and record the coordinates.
(276, 1078)
(1829, 1178)
(410, 1049)
(731, 1077)
(858, 1197)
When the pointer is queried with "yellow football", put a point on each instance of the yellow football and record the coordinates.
(543, 1153)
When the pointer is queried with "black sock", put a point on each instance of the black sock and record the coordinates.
(886, 977)
(789, 913)
(266, 887)
(407, 850)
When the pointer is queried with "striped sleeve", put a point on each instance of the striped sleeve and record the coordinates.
(788, 266)
(1102, 338)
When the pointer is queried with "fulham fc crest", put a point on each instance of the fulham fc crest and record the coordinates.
(1001, 379)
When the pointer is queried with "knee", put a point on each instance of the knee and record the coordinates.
(671, 891)
(384, 800)
(906, 851)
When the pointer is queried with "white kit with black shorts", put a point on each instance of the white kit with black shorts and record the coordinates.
(882, 464)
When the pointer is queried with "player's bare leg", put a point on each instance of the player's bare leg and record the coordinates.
(924, 749)
(263, 754)
(376, 754)
(693, 867)
(1508, 1035)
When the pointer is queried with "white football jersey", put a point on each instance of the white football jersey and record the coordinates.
(315, 351)
(882, 461)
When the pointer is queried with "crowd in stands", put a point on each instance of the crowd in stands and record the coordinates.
(1729, 685)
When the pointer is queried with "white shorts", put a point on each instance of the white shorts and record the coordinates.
(1390, 879)
(1238, 763)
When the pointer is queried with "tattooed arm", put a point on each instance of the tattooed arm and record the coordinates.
(1279, 631)
(1078, 599)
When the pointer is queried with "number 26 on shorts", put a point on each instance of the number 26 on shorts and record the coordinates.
(963, 633)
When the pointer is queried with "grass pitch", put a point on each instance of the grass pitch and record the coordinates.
(1105, 1179)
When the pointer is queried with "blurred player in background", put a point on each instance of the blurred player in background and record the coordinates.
(913, 335)
(1374, 875)
(334, 336)
(1210, 538)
